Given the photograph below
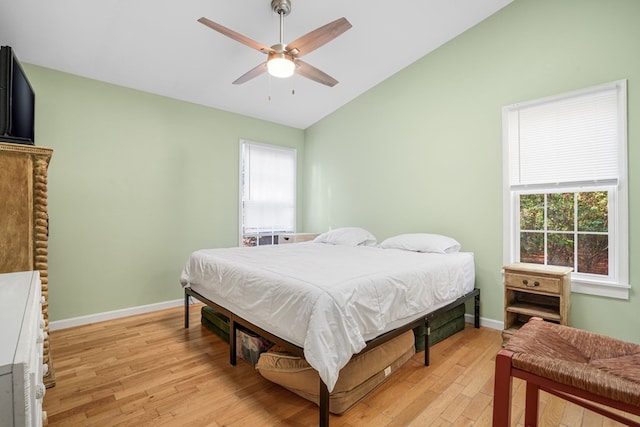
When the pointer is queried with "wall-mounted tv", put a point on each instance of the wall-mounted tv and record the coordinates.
(17, 100)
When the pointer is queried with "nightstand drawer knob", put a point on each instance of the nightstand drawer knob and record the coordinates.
(526, 283)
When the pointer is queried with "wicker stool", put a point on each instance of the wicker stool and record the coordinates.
(578, 366)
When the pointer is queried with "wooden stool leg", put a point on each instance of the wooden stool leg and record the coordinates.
(531, 405)
(502, 390)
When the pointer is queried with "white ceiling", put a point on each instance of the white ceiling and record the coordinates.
(157, 46)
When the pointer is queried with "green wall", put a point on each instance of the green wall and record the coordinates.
(422, 151)
(136, 183)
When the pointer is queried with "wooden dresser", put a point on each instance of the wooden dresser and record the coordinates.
(24, 221)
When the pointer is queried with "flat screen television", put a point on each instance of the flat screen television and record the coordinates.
(17, 100)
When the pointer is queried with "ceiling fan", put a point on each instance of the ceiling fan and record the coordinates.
(283, 59)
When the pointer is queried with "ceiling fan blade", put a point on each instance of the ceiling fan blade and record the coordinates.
(318, 37)
(252, 73)
(311, 72)
(236, 36)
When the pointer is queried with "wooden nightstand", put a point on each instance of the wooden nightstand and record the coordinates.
(535, 290)
(295, 237)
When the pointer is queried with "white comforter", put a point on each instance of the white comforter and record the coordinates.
(328, 299)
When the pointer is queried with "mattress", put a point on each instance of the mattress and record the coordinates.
(328, 299)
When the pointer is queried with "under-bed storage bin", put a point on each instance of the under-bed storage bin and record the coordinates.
(248, 345)
(363, 373)
(442, 326)
(215, 321)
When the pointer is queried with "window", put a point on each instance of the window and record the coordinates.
(267, 192)
(565, 186)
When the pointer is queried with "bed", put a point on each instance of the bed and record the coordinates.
(334, 297)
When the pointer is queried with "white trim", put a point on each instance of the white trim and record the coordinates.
(240, 161)
(564, 186)
(487, 323)
(614, 85)
(604, 290)
(110, 315)
(149, 308)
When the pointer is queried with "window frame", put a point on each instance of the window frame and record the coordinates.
(241, 234)
(616, 285)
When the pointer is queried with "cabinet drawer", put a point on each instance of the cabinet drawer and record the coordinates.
(533, 283)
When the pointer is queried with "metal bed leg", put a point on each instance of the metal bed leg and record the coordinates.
(476, 314)
(233, 330)
(186, 310)
(427, 342)
(324, 405)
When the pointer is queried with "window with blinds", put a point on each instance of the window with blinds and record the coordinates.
(267, 192)
(565, 186)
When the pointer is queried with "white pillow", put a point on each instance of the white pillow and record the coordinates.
(422, 242)
(347, 236)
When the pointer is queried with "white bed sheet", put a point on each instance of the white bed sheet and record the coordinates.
(328, 299)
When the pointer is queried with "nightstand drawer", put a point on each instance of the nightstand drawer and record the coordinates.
(296, 237)
(533, 283)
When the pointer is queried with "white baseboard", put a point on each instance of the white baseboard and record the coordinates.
(116, 314)
(488, 323)
(110, 315)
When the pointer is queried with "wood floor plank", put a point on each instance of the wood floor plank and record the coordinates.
(456, 408)
(147, 370)
(418, 402)
(553, 411)
(432, 412)
(476, 406)
(572, 415)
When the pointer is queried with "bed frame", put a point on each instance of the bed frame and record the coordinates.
(236, 322)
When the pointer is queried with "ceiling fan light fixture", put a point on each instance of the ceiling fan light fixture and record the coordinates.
(280, 65)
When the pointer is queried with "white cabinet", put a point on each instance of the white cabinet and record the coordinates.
(21, 345)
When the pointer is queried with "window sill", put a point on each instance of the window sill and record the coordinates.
(610, 290)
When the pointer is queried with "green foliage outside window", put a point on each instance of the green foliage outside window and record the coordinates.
(558, 228)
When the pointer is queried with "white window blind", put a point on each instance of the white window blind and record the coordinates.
(570, 140)
(268, 177)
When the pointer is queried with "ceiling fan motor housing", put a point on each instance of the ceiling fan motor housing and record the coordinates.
(281, 6)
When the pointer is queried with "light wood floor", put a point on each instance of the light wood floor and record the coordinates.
(149, 370)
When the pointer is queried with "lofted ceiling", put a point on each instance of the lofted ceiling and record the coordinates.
(158, 46)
